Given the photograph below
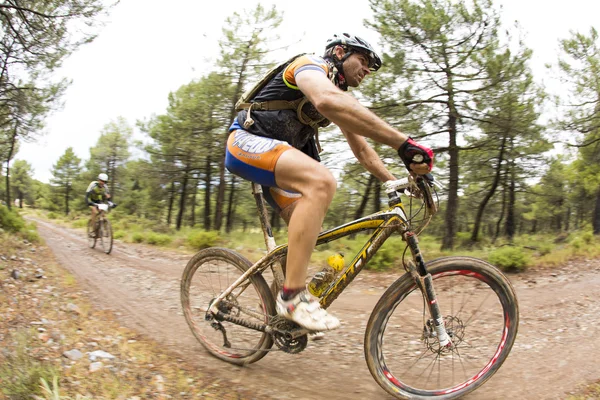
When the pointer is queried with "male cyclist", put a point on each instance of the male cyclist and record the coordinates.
(97, 193)
(272, 142)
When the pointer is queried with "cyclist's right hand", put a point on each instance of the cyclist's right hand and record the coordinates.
(416, 157)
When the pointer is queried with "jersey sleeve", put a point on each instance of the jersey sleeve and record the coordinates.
(91, 186)
(304, 63)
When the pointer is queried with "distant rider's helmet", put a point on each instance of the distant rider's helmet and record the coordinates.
(103, 177)
(351, 44)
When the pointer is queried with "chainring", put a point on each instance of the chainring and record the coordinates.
(283, 330)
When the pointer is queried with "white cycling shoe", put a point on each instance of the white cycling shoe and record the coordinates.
(306, 311)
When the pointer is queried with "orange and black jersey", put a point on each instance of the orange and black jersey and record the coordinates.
(284, 124)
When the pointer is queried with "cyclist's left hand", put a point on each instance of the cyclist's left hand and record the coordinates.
(416, 157)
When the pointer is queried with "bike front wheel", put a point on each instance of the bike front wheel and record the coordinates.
(481, 315)
(105, 236)
(207, 275)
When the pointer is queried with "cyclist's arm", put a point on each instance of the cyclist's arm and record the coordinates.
(367, 156)
(347, 113)
(344, 110)
(88, 201)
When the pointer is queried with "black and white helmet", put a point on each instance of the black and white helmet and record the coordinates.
(355, 43)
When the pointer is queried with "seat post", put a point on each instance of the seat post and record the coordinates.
(267, 233)
(263, 216)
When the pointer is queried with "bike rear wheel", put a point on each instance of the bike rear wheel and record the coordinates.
(105, 236)
(208, 274)
(481, 314)
(91, 235)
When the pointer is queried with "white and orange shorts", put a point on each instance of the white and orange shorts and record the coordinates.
(254, 158)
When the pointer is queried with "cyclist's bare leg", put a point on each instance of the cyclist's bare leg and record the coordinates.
(94, 211)
(297, 172)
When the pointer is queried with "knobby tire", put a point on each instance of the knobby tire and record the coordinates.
(480, 309)
(208, 274)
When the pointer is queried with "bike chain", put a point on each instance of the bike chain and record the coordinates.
(280, 326)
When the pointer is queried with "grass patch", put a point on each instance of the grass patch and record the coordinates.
(20, 373)
(41, 319)
(138, 237)
(590, 392)
(202, 240)
(158, 239)
(510, 258)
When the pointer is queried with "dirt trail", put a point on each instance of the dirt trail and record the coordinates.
(557, 347)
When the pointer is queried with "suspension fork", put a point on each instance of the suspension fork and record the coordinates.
(425, 283)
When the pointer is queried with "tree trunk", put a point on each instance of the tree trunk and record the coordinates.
(8, 157)
(231, 206)
(67, 199)
(533, 226)
(596, 215)
(193, 207)
(171, 200)
(452, 205)
(377, 197)
(501, 217)
(510, 212)
(207, 192)
(182, 200)
(275, 221)
(363, 204)
(221, 189)
(490, 194)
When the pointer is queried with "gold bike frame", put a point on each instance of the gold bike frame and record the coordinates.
(384, 224)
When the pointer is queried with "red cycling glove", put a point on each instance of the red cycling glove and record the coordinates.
(412, 152)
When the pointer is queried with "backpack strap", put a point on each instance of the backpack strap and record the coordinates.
(269, 105)
(272, 105)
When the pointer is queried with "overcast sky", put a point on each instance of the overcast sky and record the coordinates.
(149, 48)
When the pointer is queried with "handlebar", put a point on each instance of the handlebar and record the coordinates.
(419, 186)
(106, 206)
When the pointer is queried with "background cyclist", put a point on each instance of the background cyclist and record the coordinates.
(97, 193)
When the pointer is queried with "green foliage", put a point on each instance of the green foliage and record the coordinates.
(21, 182)
(80, 223)
(65, 172)
(51, 215)
(509, 258)
(576, 243)
(10, 220)
(202, 240)
(384, 259)
(545, 248)
(29, 233)
(111, 152)
(158, 239)
(20, 374)
(119, 234)
(138, 237)
(587, 237)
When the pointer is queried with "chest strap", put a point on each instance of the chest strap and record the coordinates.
(273, 105)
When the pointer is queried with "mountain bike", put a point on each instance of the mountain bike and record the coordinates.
(441, 330)
(102, 229)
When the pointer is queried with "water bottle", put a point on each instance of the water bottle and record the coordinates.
(322, 279)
